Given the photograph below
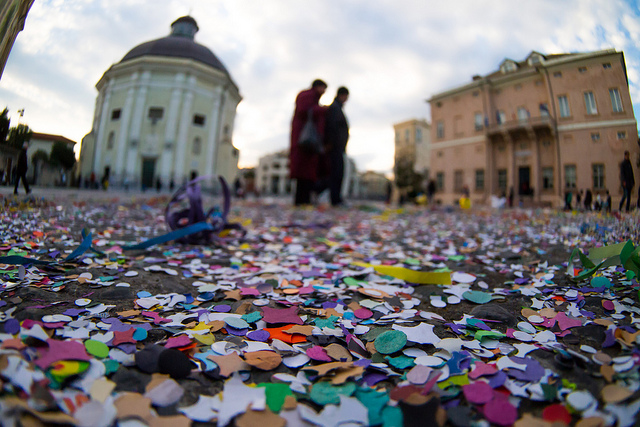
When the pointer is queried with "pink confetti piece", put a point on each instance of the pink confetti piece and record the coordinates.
(564, 322)
(179, 341)
(478, 392)
(281, 315)
(157, 319)
(318, 353)
(482, 369)
(62, 350)
(363, 313)
(607, 305)
(500, 411)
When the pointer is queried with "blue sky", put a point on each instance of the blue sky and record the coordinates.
(392, 54)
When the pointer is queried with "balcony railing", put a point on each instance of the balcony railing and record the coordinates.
(528, 123)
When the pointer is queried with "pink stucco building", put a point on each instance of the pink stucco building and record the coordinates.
(538, 127)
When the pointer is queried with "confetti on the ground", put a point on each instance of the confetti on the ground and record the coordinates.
(360, 316)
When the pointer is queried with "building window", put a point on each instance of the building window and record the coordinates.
(570, 176)
(198, 120)
(115, 114)
(616, 101)
(544, 110)
(418, 135)
(397, 136)
(440, 129)
(502, 179)
(479, 179)
(547, 178)
(523, 114)
(111, 140)
(457, 125)
(407, 135)
(476, 93)
(440, 154)
(622, 135)
(590, 103)
(546, 143)
(196, 149)
(595, 136)
(598, 176)
(606, 65)
(501, 117)
(582, 69)
(458, 180)
(156, 113)
(563, 105)
(557, 74)
(478, 121)
(440, 181)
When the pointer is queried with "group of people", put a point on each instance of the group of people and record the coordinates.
(585, 200)
(317, 171)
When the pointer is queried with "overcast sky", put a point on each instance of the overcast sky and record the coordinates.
(391, 54)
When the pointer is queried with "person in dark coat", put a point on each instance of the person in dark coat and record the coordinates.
(336, 136)
(588, 200)
(21, 170)
(303, 166)
(627, 180)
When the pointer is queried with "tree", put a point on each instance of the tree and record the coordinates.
(63, 155)
(19, 135)
(4, 125)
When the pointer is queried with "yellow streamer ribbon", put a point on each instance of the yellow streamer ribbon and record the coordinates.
(411, 276)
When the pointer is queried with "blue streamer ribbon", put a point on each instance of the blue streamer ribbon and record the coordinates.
(173, 235)
(20, 260)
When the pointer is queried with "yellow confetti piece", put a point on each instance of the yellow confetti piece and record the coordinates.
(411, 276)
(458, 380)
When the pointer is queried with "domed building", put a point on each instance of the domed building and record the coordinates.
(164, 111)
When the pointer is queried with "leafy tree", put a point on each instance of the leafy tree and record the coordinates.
(4, 125)
(40, 156)
(19, 135)
(63, 155)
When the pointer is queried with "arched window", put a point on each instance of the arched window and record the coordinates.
(197, 146)
(110, 140)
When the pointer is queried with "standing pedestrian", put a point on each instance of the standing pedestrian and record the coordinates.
(568, 196)
(607, 208)
(588, 200)
(431, 190)
(303, 166)
(336, 136)
(21, 169)
(627, 180)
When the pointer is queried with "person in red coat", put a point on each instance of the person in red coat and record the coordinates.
(304, 167)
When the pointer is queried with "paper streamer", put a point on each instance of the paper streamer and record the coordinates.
(411, 276)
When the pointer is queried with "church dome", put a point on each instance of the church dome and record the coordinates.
(179, 44)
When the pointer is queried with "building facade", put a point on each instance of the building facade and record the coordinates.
(536, 129)
(413, 144)
(374, 186)
(272, 176)
(165, 111)
(13, 14)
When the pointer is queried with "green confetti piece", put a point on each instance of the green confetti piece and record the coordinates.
(96, 348)
(375, 402)
(252, 317)
(392, 416)
(390, 341)
(323, 393)
(350, 281)
(276, 394)
(599, 281)
(326, 323)
(111, 366)
(400, 362)
(477, 297)
(492, 335)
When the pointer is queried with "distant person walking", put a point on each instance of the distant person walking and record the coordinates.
(303, 166)
(336, 136)
(21, 169)
(627, 181)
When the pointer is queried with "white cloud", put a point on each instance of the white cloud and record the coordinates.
(392, 54)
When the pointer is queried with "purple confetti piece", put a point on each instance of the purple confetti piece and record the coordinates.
(73, 312)
(222, 308)
(259, 335)
(128, 348)
(12, 326)
(497, 380)
(373, 378)
(237, 332)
